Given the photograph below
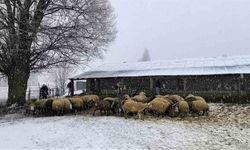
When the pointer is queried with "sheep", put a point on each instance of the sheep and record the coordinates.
(174, 98)
(29, 108)
(197, 104)
(127, 98)
(57, 106)
(115, 104)
(190, 98)
(39, 106)
(77, 103)
(183, 108)
(179, 105)
(135, 108)
(140, 98)
(90, 100)
(165, 98)
(102, 106)
(47, 108)
(159, 106)
(67, 106)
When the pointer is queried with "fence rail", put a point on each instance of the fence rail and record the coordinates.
(34, 94)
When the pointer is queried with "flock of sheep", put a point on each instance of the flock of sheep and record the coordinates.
(172, 105)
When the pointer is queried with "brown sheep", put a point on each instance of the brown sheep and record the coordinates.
(77, 103)
(179, 105)
(165, 98)
(190, 98)
(29, 108)
(183, 108)
(48, 107)
(135, 108)
(197, 104)
(40, 106)
(67, 106)
(57, 106)
(90, 100)
(102, 106)
(174, 98)
(115, 104)
(127, 98)
(159, 106)
(140, 98)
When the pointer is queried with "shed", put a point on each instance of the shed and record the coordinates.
(218, 78)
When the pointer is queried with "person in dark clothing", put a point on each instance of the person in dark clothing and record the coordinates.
(70, 87)
(44, 92)
(157, 87)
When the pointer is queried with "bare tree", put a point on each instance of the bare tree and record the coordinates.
(61, 76)
(39, 34)
(145, 56)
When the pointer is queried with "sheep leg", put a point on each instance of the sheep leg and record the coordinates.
(62, 112)
(140, 115)
(94, 112)
(205, 113)
(125, 115)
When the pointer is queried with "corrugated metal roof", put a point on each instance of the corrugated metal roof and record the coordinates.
(197, 66)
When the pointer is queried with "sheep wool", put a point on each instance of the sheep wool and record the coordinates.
(40, 103)
(135, 108)
(199, 106)
(140, 98)
(77, 102)
(183, 107)
(160, 105)
(57, 105)
(190, 98)
(176, 98)
(67, 104)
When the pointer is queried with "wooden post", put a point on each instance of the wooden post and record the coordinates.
(239, 85)
(184, 85)
(73, 87)
(151, 83)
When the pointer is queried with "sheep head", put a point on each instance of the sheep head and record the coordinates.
(126, 97)
(142, 93)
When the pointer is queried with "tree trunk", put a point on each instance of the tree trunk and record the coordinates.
(17, 83)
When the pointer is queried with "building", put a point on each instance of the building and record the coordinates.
(218, 79)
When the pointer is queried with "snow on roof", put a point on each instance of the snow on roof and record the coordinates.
(197, 66)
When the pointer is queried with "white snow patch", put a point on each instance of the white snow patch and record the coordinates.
(87, 132)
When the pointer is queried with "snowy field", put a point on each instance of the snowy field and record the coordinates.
(102, 132)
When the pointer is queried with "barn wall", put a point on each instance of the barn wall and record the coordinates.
(215, 88)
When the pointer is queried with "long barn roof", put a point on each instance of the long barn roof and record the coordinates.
(198, 66)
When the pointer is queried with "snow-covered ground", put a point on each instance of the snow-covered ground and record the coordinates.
(102, 132)
(117, 133)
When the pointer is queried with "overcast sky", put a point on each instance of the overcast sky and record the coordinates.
(180, 29)
(172, 29)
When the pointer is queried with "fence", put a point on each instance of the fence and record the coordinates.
(35, 93)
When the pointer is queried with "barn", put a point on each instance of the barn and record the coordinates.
(218, 79)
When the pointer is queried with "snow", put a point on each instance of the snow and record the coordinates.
(194, 66)
(111, 132)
